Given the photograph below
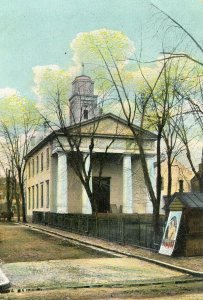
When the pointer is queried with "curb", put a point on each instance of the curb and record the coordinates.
(150, 260)
(4, 282)
(112, 285)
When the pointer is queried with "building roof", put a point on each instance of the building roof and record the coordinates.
(147, 134)
(189, 200)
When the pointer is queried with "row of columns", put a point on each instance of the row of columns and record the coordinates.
(62, 185)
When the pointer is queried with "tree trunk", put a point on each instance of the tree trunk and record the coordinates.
(8, 196)
(23, 202)
(155, 200)
(22, 195)
(93, 201)
(18, 207)
(156, 224)
(158, 179)
(169, 186)
(145, 170)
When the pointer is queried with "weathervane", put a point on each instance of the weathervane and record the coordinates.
(83, 68)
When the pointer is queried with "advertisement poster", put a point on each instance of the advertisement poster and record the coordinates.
(171, 232)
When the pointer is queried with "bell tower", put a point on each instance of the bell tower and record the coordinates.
(83, 102)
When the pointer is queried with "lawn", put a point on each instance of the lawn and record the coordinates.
(20, 244)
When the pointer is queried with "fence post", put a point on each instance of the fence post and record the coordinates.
(108, 229)
(87, 225)
(79, 224)
(123, 230)
(96, 225)
(139, 234)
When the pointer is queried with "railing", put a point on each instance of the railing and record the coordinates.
(125, 229)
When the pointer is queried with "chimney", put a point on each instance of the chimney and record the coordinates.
(181, 189)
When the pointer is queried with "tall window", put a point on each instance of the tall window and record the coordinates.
(42, 161)
(37, 196)
(33, 197)
(47, 154)
(37, 164)
(42, 195)
(47, 193)
(29, 198)
(85, 114)
(33, 167)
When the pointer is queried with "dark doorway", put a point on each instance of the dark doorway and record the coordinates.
(101, 190)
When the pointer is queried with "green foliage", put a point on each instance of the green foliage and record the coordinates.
(88, 46)
(93, 47)
(49, 81)
(18, 110)
(53, 87)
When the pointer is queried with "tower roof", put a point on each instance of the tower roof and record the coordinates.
(82, 78)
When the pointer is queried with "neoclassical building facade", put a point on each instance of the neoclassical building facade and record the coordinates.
(52, 184)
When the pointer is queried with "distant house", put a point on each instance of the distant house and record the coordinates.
(181, 177)
(196, 183)
(51, 183)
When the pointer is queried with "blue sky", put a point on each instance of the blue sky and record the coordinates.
(39, 32)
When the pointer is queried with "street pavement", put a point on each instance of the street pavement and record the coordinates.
(83, 272)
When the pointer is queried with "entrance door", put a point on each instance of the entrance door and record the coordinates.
(101, 190)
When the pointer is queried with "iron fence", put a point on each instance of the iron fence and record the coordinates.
(134, 230)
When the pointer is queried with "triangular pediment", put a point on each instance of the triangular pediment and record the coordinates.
(106, 126)
(111, 125)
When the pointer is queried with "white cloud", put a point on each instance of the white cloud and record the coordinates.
(7, 92)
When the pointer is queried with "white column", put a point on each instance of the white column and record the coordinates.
(62, 183)
(86, 206)
(127, 185)
(152, 175)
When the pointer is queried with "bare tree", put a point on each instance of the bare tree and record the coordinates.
(16, 140)
(11, 186)
(172, 54)
(157, 105)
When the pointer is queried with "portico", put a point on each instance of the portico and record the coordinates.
(120, 184)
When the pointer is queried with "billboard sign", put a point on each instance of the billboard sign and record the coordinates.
(170, 233)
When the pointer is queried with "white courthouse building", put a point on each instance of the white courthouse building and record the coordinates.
(53, 186)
